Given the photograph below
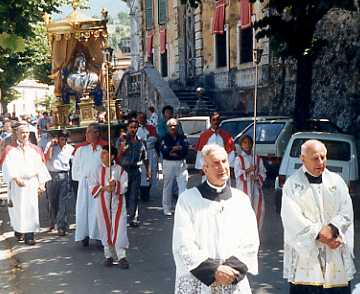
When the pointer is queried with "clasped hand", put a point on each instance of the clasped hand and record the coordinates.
(326, 237)
(225, 275)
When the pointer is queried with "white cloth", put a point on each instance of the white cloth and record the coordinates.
(27, 164)
(113, 230)
(144, 135)
(153, 119)
(306, 208)
(85, 161)
(211, 229)
(250, 187)
(218, 140)
(60, 160)
(173, 170)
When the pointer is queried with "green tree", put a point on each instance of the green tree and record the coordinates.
(23, 41)
(290, 25)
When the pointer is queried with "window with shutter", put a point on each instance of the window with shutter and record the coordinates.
(246, 45)
(162, 11)
(149, 14)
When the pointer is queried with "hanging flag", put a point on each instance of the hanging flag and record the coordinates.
(245, 14)
(149, 43)
(162, 40)
(219, 17)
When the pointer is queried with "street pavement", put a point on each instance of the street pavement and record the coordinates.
(59, 265)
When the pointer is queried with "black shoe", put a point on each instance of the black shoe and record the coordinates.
(19, 237)
(85, 242)
(134, 224)
(30, 242)
(61, 232)
(108, 262)
(123, 263)
(29, 238)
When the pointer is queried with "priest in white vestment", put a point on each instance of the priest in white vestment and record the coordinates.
(317, 216)
(86, 160)
(25, 173)
(215, 238)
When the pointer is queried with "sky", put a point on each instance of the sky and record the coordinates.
(113, 6)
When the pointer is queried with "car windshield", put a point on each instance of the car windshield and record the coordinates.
(235, 127)
(336, 150)
(321, 126)
(266, 132)
(192, 127)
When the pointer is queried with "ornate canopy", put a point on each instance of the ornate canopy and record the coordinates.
(72, 35)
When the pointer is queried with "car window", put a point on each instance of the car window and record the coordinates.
(192, 127)
(336, 150)
(235, 127)
(266, 133)
(321, 126)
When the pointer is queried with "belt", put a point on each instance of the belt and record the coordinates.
(59, 172)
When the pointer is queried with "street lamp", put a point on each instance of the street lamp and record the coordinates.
(2, 110)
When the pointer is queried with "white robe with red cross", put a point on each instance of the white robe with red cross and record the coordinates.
(111, 209)
(253, 188)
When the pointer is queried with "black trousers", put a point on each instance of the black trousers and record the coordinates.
(59, 194)
(305, 289)
(132, 196)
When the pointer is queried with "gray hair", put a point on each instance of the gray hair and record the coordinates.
(172, 121)
(212, 148)
(305, 146)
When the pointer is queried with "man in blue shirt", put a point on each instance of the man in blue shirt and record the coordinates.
(174, 148)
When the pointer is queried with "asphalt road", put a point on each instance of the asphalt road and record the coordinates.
(59, 265)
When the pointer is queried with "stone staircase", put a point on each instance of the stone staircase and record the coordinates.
(189, 104)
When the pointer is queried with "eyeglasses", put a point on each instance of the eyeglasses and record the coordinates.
(170, 126)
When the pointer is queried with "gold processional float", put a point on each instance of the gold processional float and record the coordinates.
(81, 70)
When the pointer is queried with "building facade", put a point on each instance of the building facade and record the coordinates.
(31, 98)
(209, 46)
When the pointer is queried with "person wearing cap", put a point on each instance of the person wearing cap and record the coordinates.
(58, 154)
(25, 173)
(174, 148)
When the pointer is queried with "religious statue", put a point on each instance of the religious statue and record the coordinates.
(80, 79)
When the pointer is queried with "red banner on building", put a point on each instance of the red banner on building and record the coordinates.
(162, 40)
(149, 43)
(245, 14)
(219, 17)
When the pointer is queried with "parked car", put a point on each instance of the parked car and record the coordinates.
(236, 125)
(192, 127)
(341, 158)
(273, 135)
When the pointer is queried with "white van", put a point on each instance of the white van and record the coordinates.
(273, 135)
(341, 157)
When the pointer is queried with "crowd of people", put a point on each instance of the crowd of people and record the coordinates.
(216, 226)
